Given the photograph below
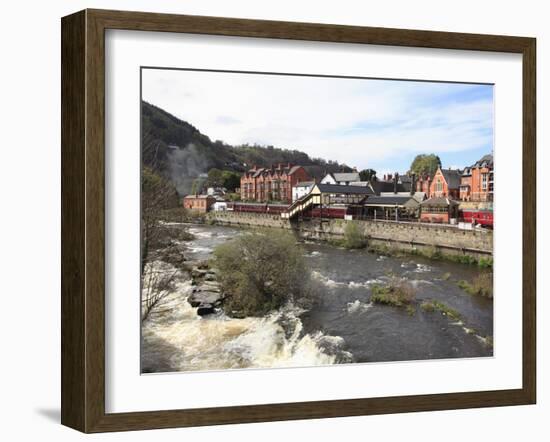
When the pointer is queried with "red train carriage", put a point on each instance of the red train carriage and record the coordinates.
(479, 217)
(265, 208)
(326, 212)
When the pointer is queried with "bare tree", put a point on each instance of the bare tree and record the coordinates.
(156, 284)
(157, 194)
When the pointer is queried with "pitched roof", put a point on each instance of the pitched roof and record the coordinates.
(346, 190)
(346, 176)
(293, 169)
(305, 184)
(388, 186)
(405, 178)
(484, 161)
(452, 176)
(439, 201)
(258, 172)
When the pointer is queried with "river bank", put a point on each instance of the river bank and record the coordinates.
(387, 237)
(342, 326)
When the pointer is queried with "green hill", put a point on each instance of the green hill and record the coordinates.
(180, 152)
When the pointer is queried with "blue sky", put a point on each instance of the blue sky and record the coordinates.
(365, 123)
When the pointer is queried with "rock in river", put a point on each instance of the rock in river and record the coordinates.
(205, 309)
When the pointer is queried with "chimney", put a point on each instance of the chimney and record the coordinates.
(396, 175)
(413, 183)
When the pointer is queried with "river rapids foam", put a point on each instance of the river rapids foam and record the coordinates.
(175, 338)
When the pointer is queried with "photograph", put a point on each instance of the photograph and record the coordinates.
(300, 220)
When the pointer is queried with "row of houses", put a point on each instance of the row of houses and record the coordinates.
(287, 183)
(296, 191)
(473, 183)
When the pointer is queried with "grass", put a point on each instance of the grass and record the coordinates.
(485, 262)
(482, 285)
(432, 253)
(433, 306)
(354, 238)
(397, 293)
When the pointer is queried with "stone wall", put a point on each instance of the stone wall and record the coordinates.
(402, 235)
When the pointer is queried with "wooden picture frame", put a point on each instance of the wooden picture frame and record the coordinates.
(83, 220)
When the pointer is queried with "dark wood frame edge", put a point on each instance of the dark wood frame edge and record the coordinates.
(83, 215)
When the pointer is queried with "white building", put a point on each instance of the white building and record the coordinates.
(219, 206)
(302, 189)
(342, 179)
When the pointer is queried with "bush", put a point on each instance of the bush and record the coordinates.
(397, 293)
(353, 237)
(261, 271)
(482, 285)
(485, 262)
(432, 306)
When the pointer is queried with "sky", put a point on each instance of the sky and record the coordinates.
(364, 123)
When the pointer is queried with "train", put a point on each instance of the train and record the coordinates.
(267, 208)
(480, 217)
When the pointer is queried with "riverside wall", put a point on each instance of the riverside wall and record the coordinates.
(405, 236)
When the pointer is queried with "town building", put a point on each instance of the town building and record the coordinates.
(393, 184)
(438, 210)
(445, 183)
(324, 198)
(341, 178)
(198, 203)
(391, 206)
(220, 206)
(476, 182)
(423, 183)
(302, 189)
(273, 183)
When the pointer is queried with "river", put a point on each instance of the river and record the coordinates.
(342, 327)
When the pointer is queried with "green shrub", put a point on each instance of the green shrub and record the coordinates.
(485, 262)
(353, 236)
(261, 271)
(433, 305)
(432, 253)
(482, 285)
(427, 306)
(397, 293)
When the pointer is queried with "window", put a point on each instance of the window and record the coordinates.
(484, 181)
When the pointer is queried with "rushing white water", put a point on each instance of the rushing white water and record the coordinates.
(358, 306)
(190, 342)
(175, 338)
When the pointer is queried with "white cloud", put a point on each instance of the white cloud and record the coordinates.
(350, 120)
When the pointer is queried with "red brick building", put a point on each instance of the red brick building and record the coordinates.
(199, 203)
(272, 183)
(445, 183)
(423, 184)
(476, 183)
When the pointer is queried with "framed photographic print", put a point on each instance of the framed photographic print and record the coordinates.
(268, 220)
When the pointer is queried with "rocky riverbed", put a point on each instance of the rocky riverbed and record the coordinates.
(188, 330)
